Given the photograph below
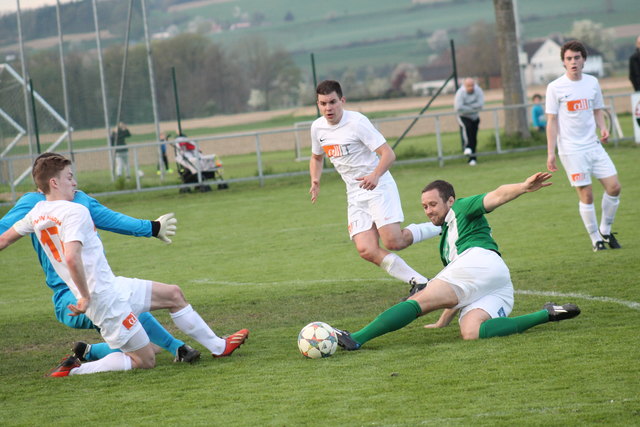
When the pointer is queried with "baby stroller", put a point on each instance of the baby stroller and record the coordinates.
(189, 160)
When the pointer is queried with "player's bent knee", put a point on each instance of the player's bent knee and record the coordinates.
(145, 358)
(470, 333)
(367, 254)
(395, 244)
(177, 295)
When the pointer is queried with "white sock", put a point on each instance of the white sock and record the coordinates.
(609, 208)
(111, 362)
(190, 322)
(588, 214)
(423, 231)
(396, 267)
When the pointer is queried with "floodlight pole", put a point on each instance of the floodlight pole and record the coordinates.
(25, 90)
(454, 76)
(455, 81)
(315, 81)
(103, 86)
(175, 96)
(35, 118)
(152, 83)
(124, 64)
(65, 95)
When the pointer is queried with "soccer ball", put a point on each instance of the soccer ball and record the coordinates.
(317, 340)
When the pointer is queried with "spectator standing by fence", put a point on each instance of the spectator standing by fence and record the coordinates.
(468, 101)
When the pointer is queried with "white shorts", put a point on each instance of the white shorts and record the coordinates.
(480, 279)
(581, 165)
(381, 206)
(115, 310)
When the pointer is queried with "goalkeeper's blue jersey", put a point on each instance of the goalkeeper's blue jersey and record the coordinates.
(103, 218)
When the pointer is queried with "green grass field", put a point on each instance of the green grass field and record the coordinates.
(266, 259)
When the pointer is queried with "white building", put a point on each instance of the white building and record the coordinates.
(543, 63)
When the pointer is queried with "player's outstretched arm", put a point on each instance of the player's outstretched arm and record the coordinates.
(116, 222)
(8, 237)
(506, 193)
(445, 318)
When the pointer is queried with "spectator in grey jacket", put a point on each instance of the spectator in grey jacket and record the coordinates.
(468, 101)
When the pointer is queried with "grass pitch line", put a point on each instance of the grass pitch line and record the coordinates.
(630, 304)
(288, 282)
(306, 228)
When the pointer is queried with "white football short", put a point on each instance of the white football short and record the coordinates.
(581, 165)
(115, 311)
(480, 279)
(381, 206)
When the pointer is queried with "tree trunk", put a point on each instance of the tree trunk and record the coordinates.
(515, 119)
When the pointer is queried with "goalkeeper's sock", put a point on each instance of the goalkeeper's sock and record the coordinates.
(99, 351)
(113, 362)
(502, 326)
(190, 322)
(158, 334)
(398, 268)
(394, 318)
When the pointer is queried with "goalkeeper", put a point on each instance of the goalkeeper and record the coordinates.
(475, 281)
(104, 219)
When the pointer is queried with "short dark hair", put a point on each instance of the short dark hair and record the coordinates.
(327, 87)
(536, 95)
(444, 188)
(47, 166)
(575, 46)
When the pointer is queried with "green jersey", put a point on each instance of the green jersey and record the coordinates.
(465, 227)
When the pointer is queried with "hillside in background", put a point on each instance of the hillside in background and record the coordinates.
(237, 56)
(356, 34)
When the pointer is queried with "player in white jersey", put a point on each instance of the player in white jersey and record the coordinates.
(67, 234)
(574, 108)
(362, 157)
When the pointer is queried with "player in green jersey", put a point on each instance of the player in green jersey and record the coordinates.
(475, 280)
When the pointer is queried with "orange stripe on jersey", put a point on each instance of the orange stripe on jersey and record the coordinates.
(578, 105)
(46, 239)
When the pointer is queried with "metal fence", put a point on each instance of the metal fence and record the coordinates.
(268, 154)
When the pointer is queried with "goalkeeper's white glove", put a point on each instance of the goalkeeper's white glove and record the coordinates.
(167, 227)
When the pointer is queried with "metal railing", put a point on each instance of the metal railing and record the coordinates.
(261, 143)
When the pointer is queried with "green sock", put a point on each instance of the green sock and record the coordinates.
(502, 326)
(393, 318)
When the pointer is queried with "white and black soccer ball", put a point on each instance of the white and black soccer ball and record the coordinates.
(317, 340)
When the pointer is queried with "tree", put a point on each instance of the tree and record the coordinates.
(438, 40)
(479, 58)
(269, 70)
(513, 94)
(594, 35)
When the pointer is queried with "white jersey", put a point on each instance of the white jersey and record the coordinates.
(350, 145)
(574, 103)
(58, 222)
